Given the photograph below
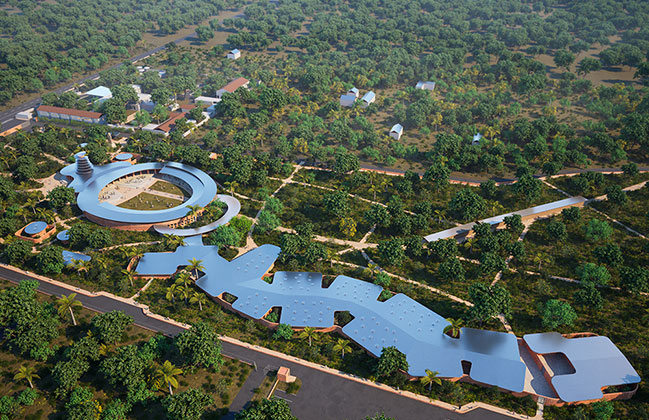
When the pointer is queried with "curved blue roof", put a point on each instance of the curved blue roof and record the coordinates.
(35, 227)
(202, 186)
(234, 207)
(69, 257)
(63, 236)
(123, 156)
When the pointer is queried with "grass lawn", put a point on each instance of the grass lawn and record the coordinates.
(148, 201)
(304, 205)
(168, 187)
(566, 256)
(567, 183)
(635, 213)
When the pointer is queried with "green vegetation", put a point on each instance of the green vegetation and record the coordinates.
(148, 201)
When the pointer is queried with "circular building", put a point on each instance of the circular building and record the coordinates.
(140, 196)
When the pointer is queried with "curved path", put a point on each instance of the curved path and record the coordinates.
(234, 207)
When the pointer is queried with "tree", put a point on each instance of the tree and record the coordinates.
(392, 251)
(635, 279)
(557, 230)
(143, 118)
(204, 33)
(161, 96)
(491, 262)
(100, 238)
(430, 379)
(589, 296)
(50, 260)
(438, 173)
(200, 346)
(167, 374)
(541, 258)
(467, 205)
(390, 362)
(337, 203)
(609, 254)
(489, 301)
(309, 333)
(273, 409)
(67, 304)
(593, 273)
(528, 187)
(597, 230)
(267, 221)
(17, 251)
(616, 195)
(160, 113)
(451, 269)
(345, 162)
(455, 327)
(514, 224)
(60, 196)
(272, 99)
(283, 331)
(110, 326)
(587, 65)
(564, 58)
(27, 373)
(347, 226)
(224, 236)
(556, 312)
(195, 266)
(114, 111)
(342, 346)
(199, 298)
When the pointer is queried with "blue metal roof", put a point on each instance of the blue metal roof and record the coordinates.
(123, 156)
(234, 207)
(203, 189)
(69, 257)
(400, 321)
(63, 236)
(597, 362)
(462, 229)
(35, 227)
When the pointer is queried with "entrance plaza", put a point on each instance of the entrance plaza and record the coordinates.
(588, 364)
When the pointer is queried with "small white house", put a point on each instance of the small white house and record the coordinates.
(347, 100)
(425, 85)
(207, 99)
(137, 88)
(353, 91)
(234, 54)
(396, 131)
(476, 139)
(368, 98)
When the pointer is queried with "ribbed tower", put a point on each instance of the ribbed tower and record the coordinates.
(84, 167)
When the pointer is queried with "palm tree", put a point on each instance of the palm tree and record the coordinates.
(185, 291)
(66, 304)
(31, 202)
(79, 266)
(231, 185)
(373, 189)
(183, 279)
(430, 378)
(309, 333)
(199, 298)
(27, 373)
(541, 258)
(342, 346)
(172, 241)
(440, 213)
(167, 374)
(128, 275)
(455, 328)
(171, 293)
(193, 210)
(195, 265)
(22, 211)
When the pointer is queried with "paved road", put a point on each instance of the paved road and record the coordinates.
(323, 396)
(7, 118)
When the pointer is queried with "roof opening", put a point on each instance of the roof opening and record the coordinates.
(342, 318)
(466, 367)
